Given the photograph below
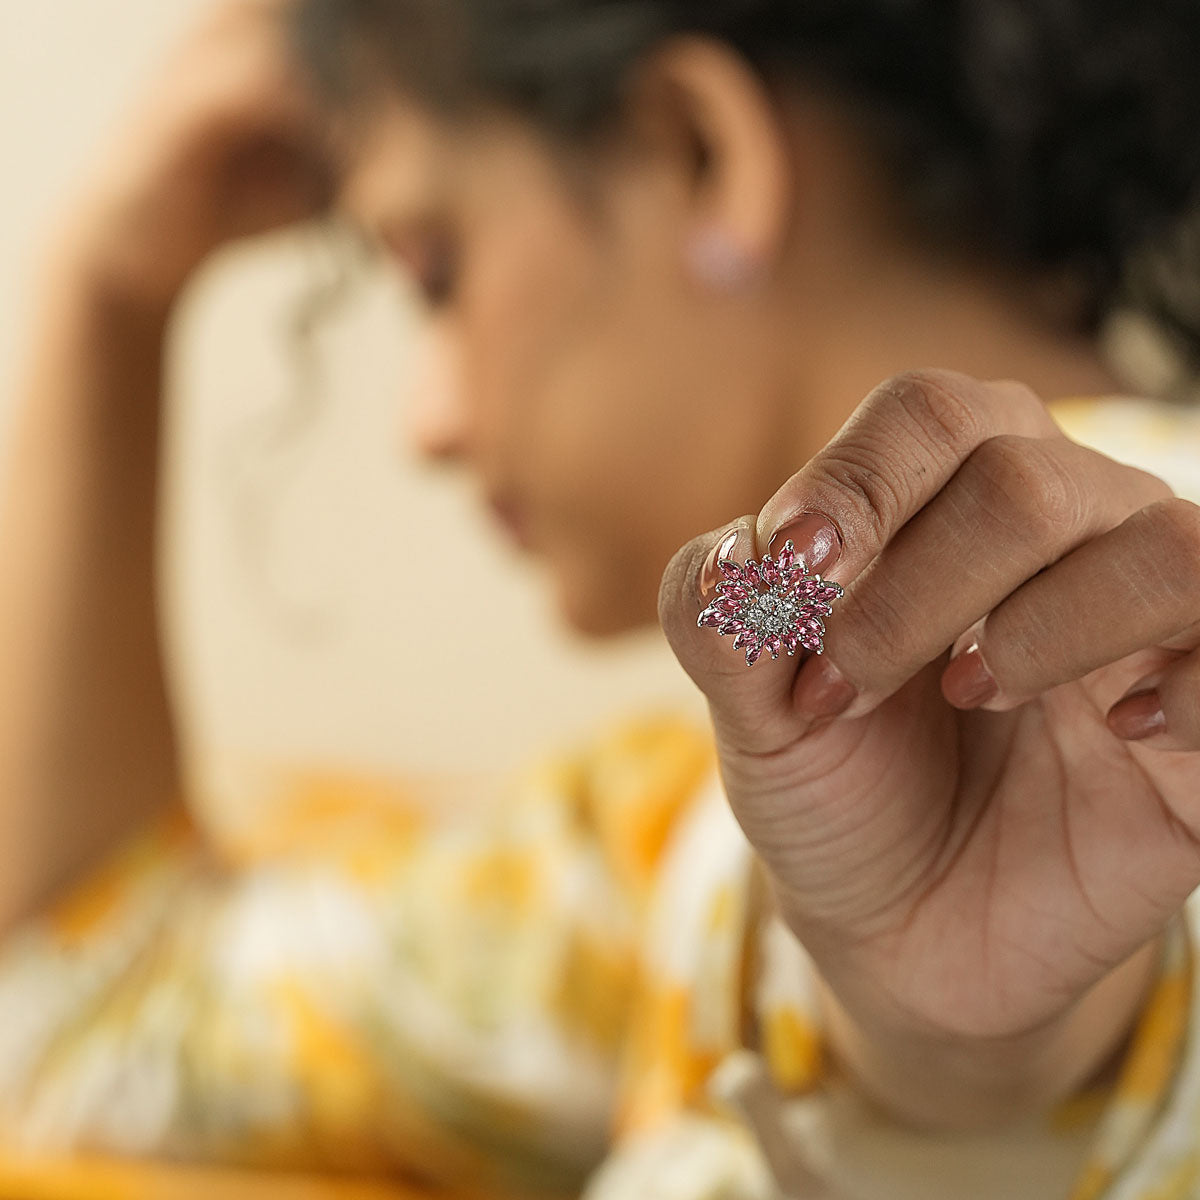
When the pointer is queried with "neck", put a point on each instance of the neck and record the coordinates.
(893, 315)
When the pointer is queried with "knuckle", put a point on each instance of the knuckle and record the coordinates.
(942, 405)
(1176, 525)
(1151, 489)
(1180, 520)
(1016, 390)
(1021, 478)
(1020, 403)
(936, 417)
(861, 473)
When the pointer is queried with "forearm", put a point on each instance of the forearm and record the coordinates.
(932, 1080)
(87, 744)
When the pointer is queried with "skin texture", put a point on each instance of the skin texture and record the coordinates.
(614, 394)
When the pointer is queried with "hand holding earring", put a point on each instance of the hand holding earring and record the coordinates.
(977, 796)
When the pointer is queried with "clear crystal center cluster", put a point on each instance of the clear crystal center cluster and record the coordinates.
(772, 607)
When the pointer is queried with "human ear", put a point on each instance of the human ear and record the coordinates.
(721, 116)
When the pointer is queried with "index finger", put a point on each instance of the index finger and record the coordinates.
(903, 444)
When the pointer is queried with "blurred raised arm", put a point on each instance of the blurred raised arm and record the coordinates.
(224, 145)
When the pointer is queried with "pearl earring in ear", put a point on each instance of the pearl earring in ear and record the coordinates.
(715, 259)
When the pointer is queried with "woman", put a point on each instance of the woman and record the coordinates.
(671, 248)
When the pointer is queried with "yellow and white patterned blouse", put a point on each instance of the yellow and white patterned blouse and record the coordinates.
(579, 989)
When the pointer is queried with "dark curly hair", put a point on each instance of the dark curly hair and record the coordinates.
(1064, 134)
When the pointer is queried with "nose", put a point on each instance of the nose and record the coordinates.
(435, 418)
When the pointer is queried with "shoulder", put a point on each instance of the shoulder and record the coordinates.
(627, 788)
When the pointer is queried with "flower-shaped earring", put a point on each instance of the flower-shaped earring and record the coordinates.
(773, 606)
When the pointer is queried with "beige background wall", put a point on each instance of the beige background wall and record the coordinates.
(323, 653)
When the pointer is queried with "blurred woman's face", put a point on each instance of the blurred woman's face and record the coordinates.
(610, 406)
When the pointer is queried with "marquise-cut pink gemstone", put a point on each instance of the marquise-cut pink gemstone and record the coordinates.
(808, 598)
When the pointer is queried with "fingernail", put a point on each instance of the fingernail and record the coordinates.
(1138, 717)
(817, 540)
(967, 683)
(710, 573)
(822, 690)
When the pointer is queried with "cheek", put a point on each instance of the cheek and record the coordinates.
(559, 397)
(607, 396)
(522, 313)
(633, 465)
(669, 429)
